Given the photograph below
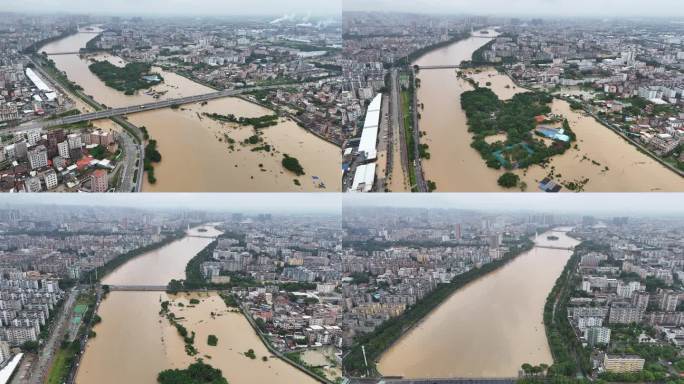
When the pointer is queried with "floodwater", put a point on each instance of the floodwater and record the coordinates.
(608, 162)
(235, 337)
(488, 328)
(134, 342)
(195, 155)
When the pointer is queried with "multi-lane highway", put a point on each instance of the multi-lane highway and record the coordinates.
(397, 124)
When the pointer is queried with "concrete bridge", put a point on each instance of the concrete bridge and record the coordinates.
(451, 66)
(554, 247)
(148, 288)
(63, 53)
(114, 112)
(138, 288)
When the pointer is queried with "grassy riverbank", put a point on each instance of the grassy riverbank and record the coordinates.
(384, 336)
(569, 357)
(407, 117)
(66, 356)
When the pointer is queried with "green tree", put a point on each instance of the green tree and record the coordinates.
(509, 180)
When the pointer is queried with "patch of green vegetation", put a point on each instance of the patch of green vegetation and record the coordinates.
(212, 340)
(487, 115)
(188, 338)
(196, 373)
(62, 362)
(71, 112)
(250, 353)
(99, 152)
(265, 148)
(146, 135)
(256, 122)
(509, 180)
(292, 164)
(295, 287)
(127, 79)
(432, 186)
(254, 139)
(406, 96)
(152, 155)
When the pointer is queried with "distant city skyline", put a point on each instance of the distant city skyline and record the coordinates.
(299, 8)
(327, 203)
(562, 8)
(619, 204)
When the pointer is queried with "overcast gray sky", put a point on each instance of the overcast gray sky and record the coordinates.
(603, 8)
(233, 202)
(177, 7)
(624, 204)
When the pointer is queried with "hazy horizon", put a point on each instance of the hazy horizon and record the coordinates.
(217, 202)
(299, 8)
(622, 204)
(517, 8)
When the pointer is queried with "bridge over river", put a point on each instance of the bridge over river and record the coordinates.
(64, 53)
(554, 247)
(148, 288)
(451, 66)
(138, 288)
(114, 112)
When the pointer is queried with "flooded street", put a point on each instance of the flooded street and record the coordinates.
(195, 155)
(488, 328)
(609, 162)
(134, 342)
